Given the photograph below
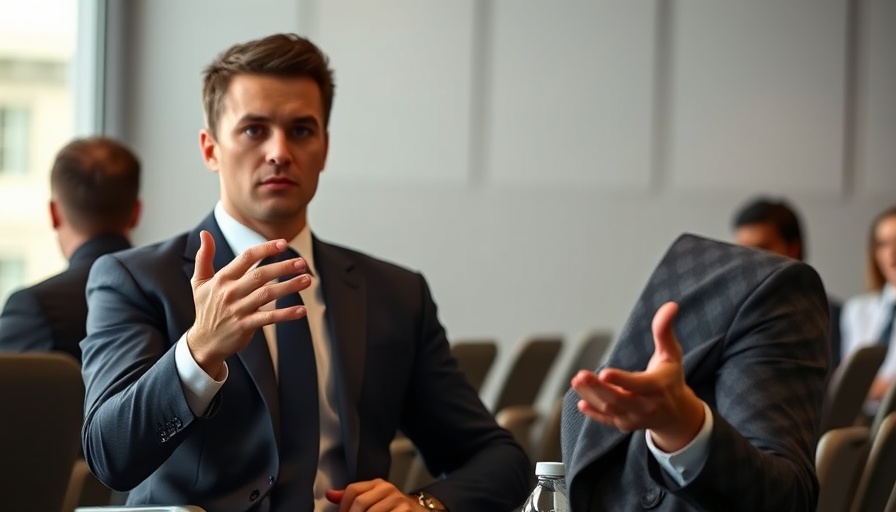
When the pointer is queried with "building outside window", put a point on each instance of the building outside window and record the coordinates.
(14, 141)
(36, 119)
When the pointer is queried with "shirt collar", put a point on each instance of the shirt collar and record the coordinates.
(240, 237)
(888, 294)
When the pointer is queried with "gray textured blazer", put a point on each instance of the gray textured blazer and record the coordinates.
(754, 329)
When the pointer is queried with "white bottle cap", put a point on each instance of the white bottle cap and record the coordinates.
(549, 469)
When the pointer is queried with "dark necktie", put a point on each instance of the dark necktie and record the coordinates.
(299, 417)
(887, 332)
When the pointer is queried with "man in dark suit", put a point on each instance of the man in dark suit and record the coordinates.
(200, 390)
(711, 398)
(773, 225)
(94, 185)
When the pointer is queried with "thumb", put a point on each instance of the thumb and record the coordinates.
(205, 256)
(664, 341)
(335, 495)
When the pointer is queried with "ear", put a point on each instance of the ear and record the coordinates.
(209, 150)
(135, 215)
(795, 250)
(326, 149)
(55, 214)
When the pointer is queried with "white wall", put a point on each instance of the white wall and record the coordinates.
(535, 158)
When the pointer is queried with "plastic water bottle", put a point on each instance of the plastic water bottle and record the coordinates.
(549, 494)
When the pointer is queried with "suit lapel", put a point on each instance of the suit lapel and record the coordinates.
(256, 357)
(344, 291)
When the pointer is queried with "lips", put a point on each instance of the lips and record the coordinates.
(277, 184)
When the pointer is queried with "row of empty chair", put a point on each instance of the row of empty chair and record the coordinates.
(515, 406)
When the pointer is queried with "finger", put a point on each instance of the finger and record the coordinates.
(261, 286)
(641, 383)
(269, 292)
(251, 257)
(351, 493)
(598, 393)
(664, 342)
(205, 257)
(334, 495)
(614, 419)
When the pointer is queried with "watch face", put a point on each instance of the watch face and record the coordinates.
(430, 502)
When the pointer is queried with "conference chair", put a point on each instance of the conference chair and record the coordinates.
(518, 420)
(590, 354)
(41, 410)
(84, 489)
(879, 475)
(849, 386)
(887, 406)
(532, 363)
(550, 449)
(839, 461)
(475, 358)
(403, 454)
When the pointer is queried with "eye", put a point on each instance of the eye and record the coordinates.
(253, 131)
(302, 131)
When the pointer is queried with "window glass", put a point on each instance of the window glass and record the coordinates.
(37, 49)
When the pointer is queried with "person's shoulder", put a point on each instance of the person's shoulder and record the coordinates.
(861, 300)
(367, 263)
(170, 248)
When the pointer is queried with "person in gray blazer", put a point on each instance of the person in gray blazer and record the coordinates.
(711, 397)
(249, 365)
(94, 206)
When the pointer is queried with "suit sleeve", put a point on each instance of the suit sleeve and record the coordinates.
(765, 432)
(135, 410)
(23, 325)
(457, 436)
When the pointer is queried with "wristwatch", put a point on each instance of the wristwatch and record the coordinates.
(430, 502)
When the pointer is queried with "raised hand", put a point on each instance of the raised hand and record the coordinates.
(656, 399)
(228, 302)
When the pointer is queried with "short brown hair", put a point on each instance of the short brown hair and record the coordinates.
(874, 276)
(285, 55)
(96, 182)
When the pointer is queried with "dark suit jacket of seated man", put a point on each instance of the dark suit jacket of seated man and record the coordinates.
(753, 329)
(94, 206)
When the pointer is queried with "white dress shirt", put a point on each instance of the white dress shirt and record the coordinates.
(200, 388)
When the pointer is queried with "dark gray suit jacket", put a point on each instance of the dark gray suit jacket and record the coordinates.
(50, 315)
(754, 329)
(392, 364)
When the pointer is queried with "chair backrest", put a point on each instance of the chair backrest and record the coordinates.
(879, 476)
(475, 358)
(41, 411)
(551, 449)
(528, 371)
(849, 386)
(593, 348)
(839, 460)
(518, 420)
(887, 406)
(403, 454)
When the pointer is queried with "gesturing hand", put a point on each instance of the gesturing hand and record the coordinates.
(656, 399)
(227, 303)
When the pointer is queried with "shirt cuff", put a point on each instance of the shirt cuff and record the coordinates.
(685, 464)
(199, 388)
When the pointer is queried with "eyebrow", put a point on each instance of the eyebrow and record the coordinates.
(258, 118)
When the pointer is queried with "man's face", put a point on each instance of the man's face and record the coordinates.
(885, 248)
(765, 236)
(269, 151)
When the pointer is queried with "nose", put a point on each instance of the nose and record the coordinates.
(277, 150)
